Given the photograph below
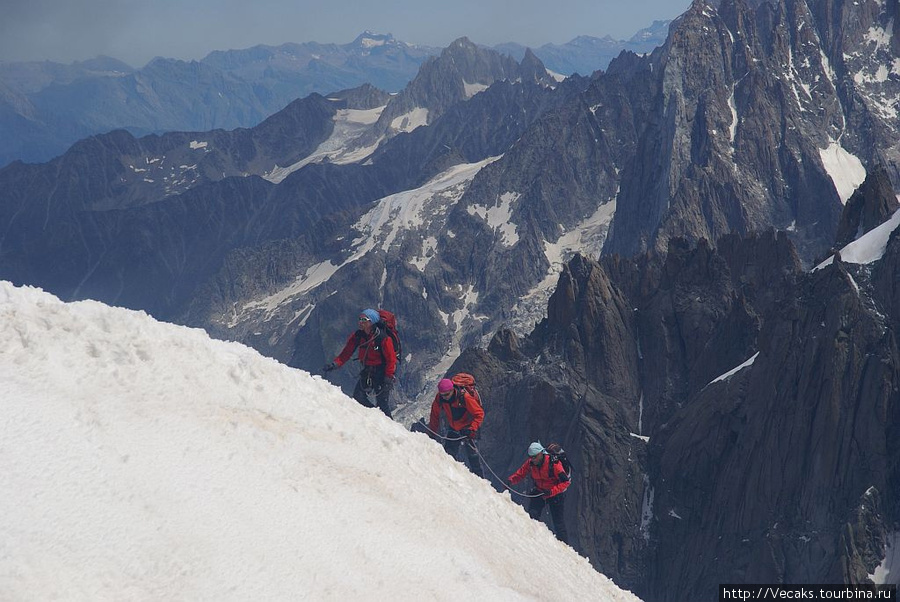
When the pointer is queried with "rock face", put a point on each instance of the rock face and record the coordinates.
(755, 126)
(770, 471)
(870, 206)
(575, 381)
(733, 418)
(459, 72)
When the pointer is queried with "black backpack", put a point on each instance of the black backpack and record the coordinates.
(558, 454)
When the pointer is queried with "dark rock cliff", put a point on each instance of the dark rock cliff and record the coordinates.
(769, 397)
(870, 206)
(766, 468)
(755, 105)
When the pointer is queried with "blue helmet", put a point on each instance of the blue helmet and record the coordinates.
(371, 314)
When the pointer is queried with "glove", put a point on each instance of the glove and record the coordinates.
(387, 385)
(466, 433)
(329, 367)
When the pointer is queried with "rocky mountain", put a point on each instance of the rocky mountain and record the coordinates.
(755, 124)
(499, 186)
(60, 104)
(180, 224)
(458, 73)
(295, 70)
(586, 54)
(119, 171)
(45, 107)
(732, 417)
(30, 77)
(722, 401)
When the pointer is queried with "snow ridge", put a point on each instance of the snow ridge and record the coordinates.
(144, 460)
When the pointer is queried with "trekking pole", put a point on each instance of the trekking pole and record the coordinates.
(496, 476)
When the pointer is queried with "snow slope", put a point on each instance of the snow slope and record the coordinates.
(145, 461)
(869, 247)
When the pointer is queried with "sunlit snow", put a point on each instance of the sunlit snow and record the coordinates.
(869, 247)
(879, 36)
(429, 247)
(370, 43)
(735, 370)
(349, 125)
(732, 129)
(498, 217)
(145, 461)
(846, 171)
(410, 121)
(379, 227)
(586, 238)
(313, 277)
(556, 76)
(473, 89)
(407, 210)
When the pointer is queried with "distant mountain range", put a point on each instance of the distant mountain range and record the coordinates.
(586, 54)
(45, 107)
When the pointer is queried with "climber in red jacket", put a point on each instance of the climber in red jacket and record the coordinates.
(464, 415)
(378, 359)
(550, 482)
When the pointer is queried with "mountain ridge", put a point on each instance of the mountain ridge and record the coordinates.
(57, 104)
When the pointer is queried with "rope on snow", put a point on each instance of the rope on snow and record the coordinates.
(478, 451)
(502, 481)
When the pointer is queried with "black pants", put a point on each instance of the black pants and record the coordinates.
(371, 381)
(472, 459)
(557, 511)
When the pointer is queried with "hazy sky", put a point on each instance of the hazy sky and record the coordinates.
(137, 30)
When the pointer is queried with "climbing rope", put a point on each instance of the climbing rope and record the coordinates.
(501, 480)
(438, 435)
(478, 451)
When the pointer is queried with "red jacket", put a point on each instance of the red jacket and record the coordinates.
(373, 351)
(462, 411)
(555, 482)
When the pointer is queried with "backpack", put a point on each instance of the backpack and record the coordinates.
(463, 381)
(388, 326)
(558, 454)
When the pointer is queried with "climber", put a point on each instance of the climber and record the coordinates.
(550, 483)
(378, 359)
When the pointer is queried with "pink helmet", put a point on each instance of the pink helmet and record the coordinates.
(445, 386)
